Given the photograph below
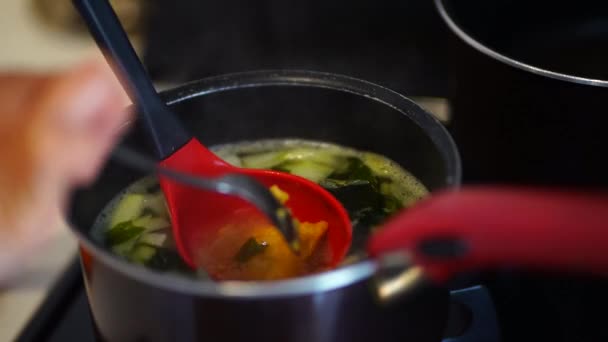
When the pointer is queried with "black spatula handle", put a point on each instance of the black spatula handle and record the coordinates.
(165, 129)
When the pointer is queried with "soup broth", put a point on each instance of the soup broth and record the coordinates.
(136, 224)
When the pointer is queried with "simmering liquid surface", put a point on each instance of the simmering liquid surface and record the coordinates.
(136, 224)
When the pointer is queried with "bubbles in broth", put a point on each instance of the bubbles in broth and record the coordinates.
(136, 224)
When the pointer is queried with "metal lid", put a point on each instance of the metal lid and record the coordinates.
(479, 46)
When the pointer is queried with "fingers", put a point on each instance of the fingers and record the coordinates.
(57, 131)
(85, 110)
(16, 92)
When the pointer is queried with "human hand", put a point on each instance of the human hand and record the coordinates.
(56, 132)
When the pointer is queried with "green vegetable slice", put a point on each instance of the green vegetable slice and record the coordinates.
(151, 223)
(250, 249)
(268, 160)
(125, 248)
(123, 232)
(153, 239)
(316, 155)
(308, 169)
(339, 183)
(392, 204)
(130, 207)
(263, 160)
(142, 253)
(232, 159)
(156, 204)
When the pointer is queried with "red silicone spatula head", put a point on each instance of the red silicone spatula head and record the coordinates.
(487, 227)
(195, 214)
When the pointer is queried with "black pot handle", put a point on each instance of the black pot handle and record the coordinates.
(482, 321)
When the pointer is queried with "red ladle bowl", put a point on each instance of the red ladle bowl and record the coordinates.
(195, 213)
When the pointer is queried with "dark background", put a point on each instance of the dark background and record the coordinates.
(399, 44)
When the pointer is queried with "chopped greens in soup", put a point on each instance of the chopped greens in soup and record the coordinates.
(136, 225)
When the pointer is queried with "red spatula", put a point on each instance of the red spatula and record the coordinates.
(487, 227)
(196, 214)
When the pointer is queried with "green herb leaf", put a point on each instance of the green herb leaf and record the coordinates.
(356, 170)
(250, 249)
(167, 259)
(392, 204)
(339, 183)
(122, 232)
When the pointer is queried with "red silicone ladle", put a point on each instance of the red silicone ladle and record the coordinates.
(489, 227)
(196, 214)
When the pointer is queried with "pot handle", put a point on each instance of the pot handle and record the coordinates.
(476, 228)
(483, 321)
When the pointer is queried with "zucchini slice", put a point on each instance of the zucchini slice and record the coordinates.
(156, 204)
(151, 223)
(264, 160)
(269, 160)
(129, 208)
(233, 159)
(142, 253)
(317, 155)
(308, 169)
(153, 239)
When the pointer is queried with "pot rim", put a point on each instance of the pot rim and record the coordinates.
(479, 46)
(314, 283)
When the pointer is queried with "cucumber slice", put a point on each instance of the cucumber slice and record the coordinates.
(376, 163)
(269, 160)
(157, 204)
(356, 170)
(123, 232)
(320, 156)
(310, 170)
(391, 204)
(232, 159)
(263, 160)
(386, 189)
(142, 253)
(154, 239)
(124, 248)
(151, 223)
(130, 207)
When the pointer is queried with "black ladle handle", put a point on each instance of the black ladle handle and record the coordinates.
(164, 128)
